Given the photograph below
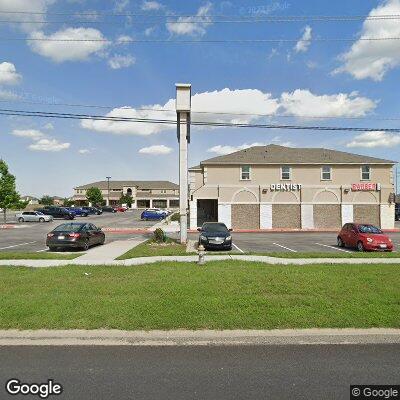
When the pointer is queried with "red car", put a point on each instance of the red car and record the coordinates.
(120, 209)
(364, 237)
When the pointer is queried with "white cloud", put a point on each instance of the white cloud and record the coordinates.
(52, 145)
(304, 43)
(375, 139)
(121, 5)
(150, 31)
(83, 151)
(226, 100)
(155, 150)
(49, 126)
(373, 59)
(124, 39)
(151, 5)
(118, 61)
(8, 74)
(193, 26)
(304, 103)
(8, 95)
(28, 133)
(226, 149)
(68, 51)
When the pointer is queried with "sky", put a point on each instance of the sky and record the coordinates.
(125, 72)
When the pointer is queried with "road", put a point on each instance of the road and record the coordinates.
(202, 372)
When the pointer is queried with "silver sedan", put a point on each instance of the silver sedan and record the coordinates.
(33, 216)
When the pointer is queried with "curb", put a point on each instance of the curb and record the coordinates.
(199, 338)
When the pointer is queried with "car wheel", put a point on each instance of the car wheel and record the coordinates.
(20, 219)
(340, 242)
(360, 246)
(52, 248)
(41, 219)
(85, 246)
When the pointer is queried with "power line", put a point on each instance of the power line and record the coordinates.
(44, 114)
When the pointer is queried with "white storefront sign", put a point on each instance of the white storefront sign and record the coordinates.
(288, 187)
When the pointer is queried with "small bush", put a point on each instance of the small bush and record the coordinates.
(159, 236)
(175, 217)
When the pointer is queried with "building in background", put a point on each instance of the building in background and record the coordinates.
(32, 200)
(144, 194)
(277, 187)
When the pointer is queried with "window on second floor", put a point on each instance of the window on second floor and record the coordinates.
(326, 173)
(365, 173)
(286, 173)
(245, 172)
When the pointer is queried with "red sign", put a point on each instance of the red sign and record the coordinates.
(362, 187)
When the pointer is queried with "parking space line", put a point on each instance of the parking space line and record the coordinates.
(286, 248)
(233, 244)
(16, 245)
(332, 247)
(39, 251)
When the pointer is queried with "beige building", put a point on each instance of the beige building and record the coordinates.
(273, 187)
(145, 194)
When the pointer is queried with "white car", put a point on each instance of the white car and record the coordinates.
(33, 216)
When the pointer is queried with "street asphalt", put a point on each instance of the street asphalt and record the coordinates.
(202, 372)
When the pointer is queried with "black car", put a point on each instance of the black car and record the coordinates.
(57, 212)
(79, 235)
(215, 235)
(108, 209)
(92, 210)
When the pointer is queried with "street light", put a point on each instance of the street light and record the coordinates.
(108, 189)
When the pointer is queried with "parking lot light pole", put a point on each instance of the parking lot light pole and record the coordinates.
(183, 108)
(108, 189)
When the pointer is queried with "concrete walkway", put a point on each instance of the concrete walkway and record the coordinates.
(150, 260)
(103, 337)
(109, 251)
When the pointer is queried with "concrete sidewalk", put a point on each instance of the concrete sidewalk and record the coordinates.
(102, 337)
(194, 258)
(109, 251)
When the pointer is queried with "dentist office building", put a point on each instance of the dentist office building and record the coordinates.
(277, 187)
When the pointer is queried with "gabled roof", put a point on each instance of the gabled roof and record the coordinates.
(274, 154)
(139, 184)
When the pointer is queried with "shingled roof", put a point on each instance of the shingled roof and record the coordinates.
(274, 154)
(103, 185)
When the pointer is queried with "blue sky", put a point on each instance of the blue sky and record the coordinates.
(357, 82)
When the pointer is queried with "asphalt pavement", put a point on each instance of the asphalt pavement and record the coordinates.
(201, 372)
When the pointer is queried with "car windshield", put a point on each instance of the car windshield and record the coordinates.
(39, 213)
(68, 228)
(215, 227)
(369, 229)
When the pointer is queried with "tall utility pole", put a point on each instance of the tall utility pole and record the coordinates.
(183, 108)
(108, 189)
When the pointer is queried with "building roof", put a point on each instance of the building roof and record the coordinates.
(139, 184)
(274, 154)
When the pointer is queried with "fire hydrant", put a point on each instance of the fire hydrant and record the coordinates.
(201, 251)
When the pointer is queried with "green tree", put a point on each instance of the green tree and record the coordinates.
(68, 202)
(94, 196)
(9, 197)
(125, 199)
(46, 200)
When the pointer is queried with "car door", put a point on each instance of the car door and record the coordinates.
(344, 234)
(27, 216)
(98, 233)
(352, 235)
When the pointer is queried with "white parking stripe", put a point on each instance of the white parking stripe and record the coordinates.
(16, 245)
(332, 247)
(233, 244)
(39, 251)
(286, 248)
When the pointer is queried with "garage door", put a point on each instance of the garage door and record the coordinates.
(367, 214)
(286, 216)
(245, 216)
(327, 216)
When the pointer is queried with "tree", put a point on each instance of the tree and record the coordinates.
(125, 199)
(68, 202)
(9, 197)
(94, 196)
(46, 200)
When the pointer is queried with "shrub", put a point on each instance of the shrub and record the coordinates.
(175, 217)
(159, 235)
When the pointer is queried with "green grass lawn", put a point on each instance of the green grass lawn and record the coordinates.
(219, 295)
(7, 255)
(151, 248)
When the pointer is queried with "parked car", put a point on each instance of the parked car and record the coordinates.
(33, 216)
(215, 235)
(120, 209)
(158, 210)
(77, 211)
(93, 210)
(364, 237)
(57, 212)
(152, 215)
(108, 209)
(76, 235)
